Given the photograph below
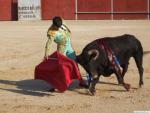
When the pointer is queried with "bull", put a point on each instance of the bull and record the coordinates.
(96, 58)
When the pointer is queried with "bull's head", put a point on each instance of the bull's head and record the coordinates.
(85, 58)
(94, 54)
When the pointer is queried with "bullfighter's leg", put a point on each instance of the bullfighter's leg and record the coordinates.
(94, 81)
(139, 61)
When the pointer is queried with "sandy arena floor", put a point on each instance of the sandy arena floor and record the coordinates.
(22, 47)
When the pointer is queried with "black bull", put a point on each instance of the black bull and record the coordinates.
(95, 60)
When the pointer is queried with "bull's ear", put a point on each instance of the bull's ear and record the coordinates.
(94, 54)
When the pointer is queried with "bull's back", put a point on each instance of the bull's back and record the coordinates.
(125, 44)
(121, 45)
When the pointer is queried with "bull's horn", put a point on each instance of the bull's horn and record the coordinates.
(94, 53)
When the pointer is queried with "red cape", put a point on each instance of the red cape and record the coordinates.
(58, 70)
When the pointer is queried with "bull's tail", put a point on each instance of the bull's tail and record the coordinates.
(146, 52)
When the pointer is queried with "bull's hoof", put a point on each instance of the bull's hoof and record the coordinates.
(120, 82)
(51, 90)
(127, 86)
(92, 92)
(141, 84)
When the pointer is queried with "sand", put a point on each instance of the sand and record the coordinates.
(22, 47)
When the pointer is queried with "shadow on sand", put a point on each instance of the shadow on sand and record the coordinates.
(41, 88)
(87, 93)
(27, 87)
(32, 87)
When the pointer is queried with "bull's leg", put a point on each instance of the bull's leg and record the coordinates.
(140, 68)
(139, 59)
(125, 68)
(89, 79)
(94, 81)
(120, 79)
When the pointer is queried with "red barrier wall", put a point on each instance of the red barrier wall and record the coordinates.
(94, 6)
(149, 9)
(63, 8)
(130, 6)
(125, 6)
(67, 9)
(5, 10)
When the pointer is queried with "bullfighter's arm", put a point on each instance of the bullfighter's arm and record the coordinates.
(48, 46)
